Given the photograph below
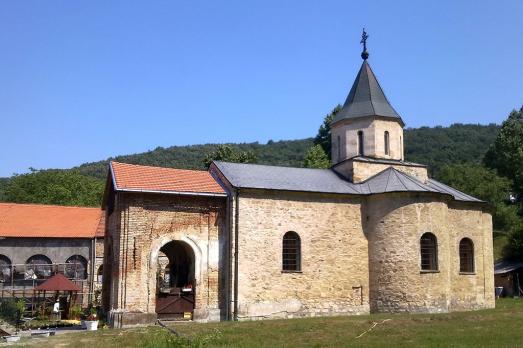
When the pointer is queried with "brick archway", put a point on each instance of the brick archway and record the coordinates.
(176, 283)
(171, 298)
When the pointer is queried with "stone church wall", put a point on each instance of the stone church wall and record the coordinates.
(334, 259)
(471, 291)
(140, 225)
(394, 225)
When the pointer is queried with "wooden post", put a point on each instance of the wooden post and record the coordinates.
(32, 302)
(43, 307)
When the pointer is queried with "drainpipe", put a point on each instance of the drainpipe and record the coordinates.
(93, 259)
(228, 312)
(236, 219)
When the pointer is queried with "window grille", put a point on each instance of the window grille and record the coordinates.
(466, 255)
(429, 252)
(360, 143)
(39, 266)
(291, 255)
(76, 267)
(386, 142)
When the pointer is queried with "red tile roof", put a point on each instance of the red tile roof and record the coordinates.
(58, 282)
(131, 177)
(50, 221)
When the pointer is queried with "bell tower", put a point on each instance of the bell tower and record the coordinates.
(367, 128)
(367, 125)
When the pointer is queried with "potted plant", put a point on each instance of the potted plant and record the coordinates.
(91, 321)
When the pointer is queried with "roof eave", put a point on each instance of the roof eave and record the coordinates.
(304, 191)
(51, 236)
(181, 193)
(388, 118)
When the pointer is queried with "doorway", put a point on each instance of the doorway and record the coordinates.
(175, 290)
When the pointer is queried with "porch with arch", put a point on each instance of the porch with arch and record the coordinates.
(175, 274)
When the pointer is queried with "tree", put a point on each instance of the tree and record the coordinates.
(506, 153)
(515, 242)
(227, 153)
(3, 185)
(323, 138)
(484, 184)
(316, 158)
(54, 187)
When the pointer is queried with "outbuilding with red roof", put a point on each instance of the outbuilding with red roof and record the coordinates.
(37, 241)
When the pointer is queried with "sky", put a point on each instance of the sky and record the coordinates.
(82, 81)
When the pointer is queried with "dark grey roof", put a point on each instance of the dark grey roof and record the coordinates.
(366, 98)
(242, 175)
(393, 180)
(284, 178)
(505, 266)
(458, 195)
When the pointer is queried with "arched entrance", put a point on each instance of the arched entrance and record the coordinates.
(175, 281)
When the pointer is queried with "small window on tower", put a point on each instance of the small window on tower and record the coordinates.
(339, 148)
(401, 148)
(360, 143)
(386, 142)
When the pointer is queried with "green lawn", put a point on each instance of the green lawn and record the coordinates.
(500, 327)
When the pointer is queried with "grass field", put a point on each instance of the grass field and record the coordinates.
(500, 327)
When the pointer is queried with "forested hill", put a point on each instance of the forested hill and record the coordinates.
(441, 146)
(285, 153)
(436, 147)
(83, 185)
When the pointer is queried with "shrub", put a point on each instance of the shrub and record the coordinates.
(75, 312)
(8, 309)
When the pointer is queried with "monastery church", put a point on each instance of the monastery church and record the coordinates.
(244, 241)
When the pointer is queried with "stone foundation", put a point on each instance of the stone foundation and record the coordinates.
(118, 319)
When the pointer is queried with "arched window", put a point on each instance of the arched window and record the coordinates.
(339, 148)
(386, 143)
(5, 269)
(466, 256)
(429, 252)
(360, 143)
(291, 253)
(39, 265)
(76, 267)
(401, 148)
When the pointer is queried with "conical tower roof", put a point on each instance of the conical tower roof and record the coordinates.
(366, 98)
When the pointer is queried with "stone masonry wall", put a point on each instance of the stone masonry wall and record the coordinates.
(471, 291)
(357, 171)
(361, 171)
(373, 138)
(146, 223)
(334, 257)
(394, 225)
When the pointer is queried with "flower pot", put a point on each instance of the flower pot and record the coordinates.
(12, 338)
(91, 325)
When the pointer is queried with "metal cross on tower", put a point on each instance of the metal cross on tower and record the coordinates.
(364, 38)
